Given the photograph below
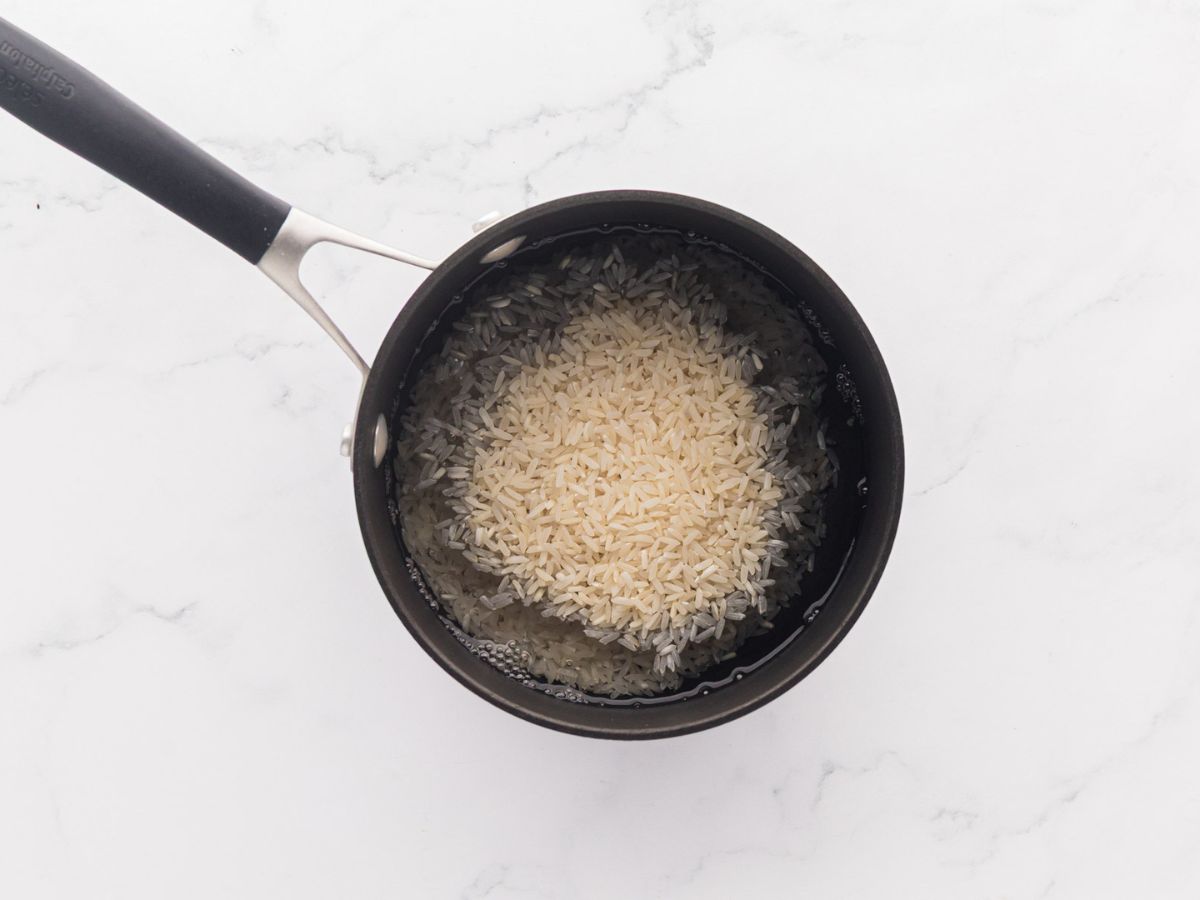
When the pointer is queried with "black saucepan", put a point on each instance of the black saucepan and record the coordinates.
(69, 105)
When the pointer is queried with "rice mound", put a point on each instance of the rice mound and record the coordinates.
(625, 479)
(605, 484)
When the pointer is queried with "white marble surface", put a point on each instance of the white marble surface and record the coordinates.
(202, 691)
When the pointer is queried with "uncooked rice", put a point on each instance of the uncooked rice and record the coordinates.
(608, 478)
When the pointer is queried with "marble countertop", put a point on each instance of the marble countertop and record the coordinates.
(202, 690)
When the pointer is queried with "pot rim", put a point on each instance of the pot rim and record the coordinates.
(868, 555)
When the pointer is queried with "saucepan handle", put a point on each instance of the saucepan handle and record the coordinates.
(74, 108)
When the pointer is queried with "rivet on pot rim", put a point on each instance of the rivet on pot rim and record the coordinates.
(508, 248)
(487, 220)
(381, 440)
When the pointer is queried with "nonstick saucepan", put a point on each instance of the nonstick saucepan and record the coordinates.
(69, 105)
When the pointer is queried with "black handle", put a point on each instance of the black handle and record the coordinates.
(71, 106)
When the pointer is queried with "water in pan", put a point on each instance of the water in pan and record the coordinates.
(786, 347)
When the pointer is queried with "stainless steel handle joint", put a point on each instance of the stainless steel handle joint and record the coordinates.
(281, 263)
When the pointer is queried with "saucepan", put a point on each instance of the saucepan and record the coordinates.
(71, 106)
